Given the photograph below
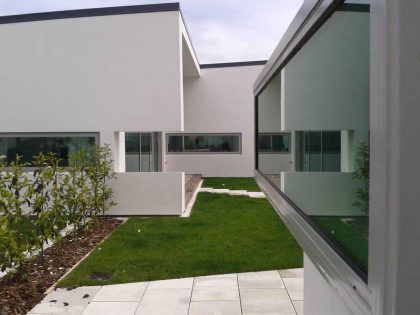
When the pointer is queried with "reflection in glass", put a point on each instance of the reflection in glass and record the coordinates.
(204, 143)
(141, 152)
(320, 99)
(29, 146)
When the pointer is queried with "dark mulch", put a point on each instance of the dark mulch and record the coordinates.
(19, 297)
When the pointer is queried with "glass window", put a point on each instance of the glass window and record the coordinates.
(275, 143)
(30, 145)
(204, 143)
(141, 152)
(320, 97)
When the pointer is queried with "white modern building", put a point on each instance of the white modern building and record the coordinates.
(341, 87)
(127, 77)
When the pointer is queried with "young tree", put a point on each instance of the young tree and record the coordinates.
(46, 202)
(100, 172)
(15, 194)
(77, 189)
(362, 174)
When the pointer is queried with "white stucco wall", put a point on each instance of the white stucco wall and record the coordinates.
(326, 85)
(107, 73)
(149, 194)
(320, 297)
(220, 101)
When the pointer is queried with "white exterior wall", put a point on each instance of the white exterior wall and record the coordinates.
(320, 297)
(220, 101)
(92, 74)
(149, 194)
(336, 102)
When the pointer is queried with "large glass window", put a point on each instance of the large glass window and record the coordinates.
(274, 143)
(321, 98)
(321, 151)
(142, 152)
(204, 143)
(29, 145)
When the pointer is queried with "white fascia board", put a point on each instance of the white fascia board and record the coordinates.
(190, 62)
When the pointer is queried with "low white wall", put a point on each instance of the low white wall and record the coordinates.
(317, 292)
(149, 194)
(322, 193)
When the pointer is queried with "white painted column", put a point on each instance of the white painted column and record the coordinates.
(116, 142)
(394, 257)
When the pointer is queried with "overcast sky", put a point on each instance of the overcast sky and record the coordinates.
(221, 30)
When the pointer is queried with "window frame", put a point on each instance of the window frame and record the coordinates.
(239, 135)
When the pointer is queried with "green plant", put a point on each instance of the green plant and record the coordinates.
(47, 209)
(76, 190)
(100, 172)
(15, 194)
(362, 174)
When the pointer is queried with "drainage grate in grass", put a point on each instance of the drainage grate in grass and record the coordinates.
(102, 276)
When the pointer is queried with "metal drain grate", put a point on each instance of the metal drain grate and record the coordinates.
(100, 276)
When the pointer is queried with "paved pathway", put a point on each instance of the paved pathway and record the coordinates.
(266, 292)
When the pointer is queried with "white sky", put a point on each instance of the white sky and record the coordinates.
(221, 30)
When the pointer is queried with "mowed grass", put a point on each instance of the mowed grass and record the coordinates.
(225, 234)
(233, 183)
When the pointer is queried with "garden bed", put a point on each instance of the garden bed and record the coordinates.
(19, 297)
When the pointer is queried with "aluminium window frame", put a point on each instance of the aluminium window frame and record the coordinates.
(238, 134)
(332, 263)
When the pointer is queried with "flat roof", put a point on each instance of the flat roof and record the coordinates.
(79, 13)
(233, 64)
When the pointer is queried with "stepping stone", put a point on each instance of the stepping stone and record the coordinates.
(238, 193)
(206, 189)
(221, 191)
(256, 194)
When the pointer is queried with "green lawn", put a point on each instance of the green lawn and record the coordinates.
(225, 234)
(234, 183)
(351, 237)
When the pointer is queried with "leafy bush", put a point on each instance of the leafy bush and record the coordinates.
(47, 206)
(50, 198)
(15, 193)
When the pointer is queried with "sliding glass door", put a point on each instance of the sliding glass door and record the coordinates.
(142, 152)
(319, 151)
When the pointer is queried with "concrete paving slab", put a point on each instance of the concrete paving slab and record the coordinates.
(212, 308)
(226, 293)
(165, 302)
(295, 288)
(266, 301)
(111, 308)
(63, 301)
(127, 292)
(291, 273)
